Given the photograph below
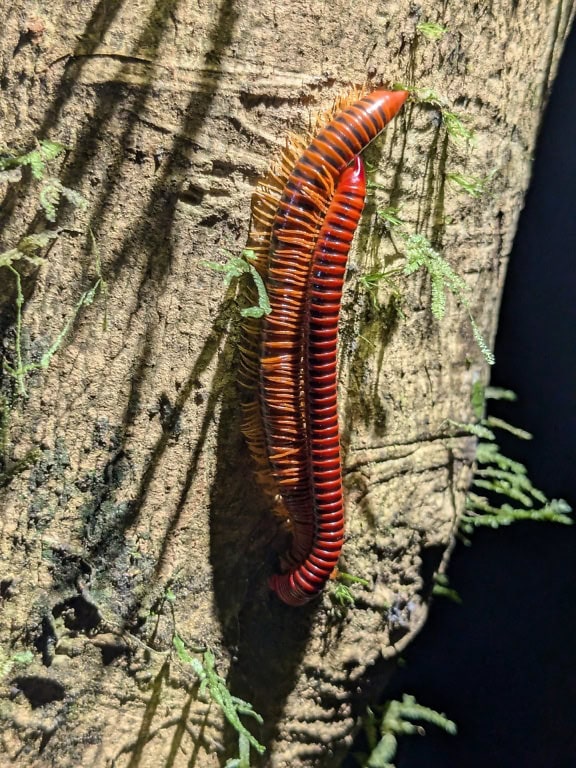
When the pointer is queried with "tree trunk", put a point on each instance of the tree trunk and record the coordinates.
(129, 512)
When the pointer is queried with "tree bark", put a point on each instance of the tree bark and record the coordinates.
(129, 513)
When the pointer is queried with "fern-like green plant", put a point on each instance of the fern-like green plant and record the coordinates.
(50, 197)
(36, 159)
(215, 688)
(384, 725)
(420, 255)
(29, 248)
(502, 492)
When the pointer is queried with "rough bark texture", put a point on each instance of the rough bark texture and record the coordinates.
(134, 476)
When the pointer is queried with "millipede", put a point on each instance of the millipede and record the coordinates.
(304, 215)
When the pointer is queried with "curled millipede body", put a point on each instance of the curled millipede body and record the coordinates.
(295, 229)
(281, 374)
(320, 353)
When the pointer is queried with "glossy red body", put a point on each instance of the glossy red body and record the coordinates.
(287, 360)
(324, 295)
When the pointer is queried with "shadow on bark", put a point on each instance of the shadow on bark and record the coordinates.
(266, 638)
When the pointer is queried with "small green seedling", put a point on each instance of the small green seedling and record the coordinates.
(234, 268)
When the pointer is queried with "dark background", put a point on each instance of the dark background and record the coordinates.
(503, 664)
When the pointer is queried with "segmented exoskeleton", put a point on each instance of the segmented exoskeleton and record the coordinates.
(297, 218)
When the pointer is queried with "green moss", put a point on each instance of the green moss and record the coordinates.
(383, 726)
(431, 30)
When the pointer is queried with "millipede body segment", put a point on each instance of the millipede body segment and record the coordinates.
(304, 220)
(323, 299)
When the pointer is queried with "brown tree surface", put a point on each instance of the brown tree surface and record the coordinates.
(129, 513)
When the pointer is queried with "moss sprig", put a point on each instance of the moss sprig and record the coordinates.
(238, 266)
(215, 688)
(384, 725)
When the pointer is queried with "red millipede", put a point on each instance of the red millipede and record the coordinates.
(297, 451)
(320, 352)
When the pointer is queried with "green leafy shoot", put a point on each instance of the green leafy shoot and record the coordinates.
(214, 687)
(475, 186)
(431, 30)
(420, 255)
(442, 588)
(349, 578)
(455, 128)
(390, 216)
(482, 514)
(50, 197)
(497, 393)
(477, 333)
(503, 478)
(384, 725)
(37, 159)
(428, 96)
(484, 428)
(494, 423)
(479, 430)
(502, 492)
(243, 759)
(341, 594)
(7, 663)
(235, 268)
(27, 250)
(371, 281)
